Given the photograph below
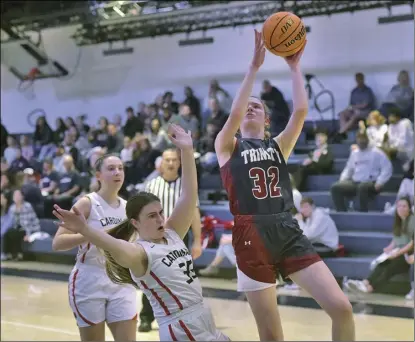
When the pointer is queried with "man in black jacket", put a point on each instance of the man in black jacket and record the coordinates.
(320, 161)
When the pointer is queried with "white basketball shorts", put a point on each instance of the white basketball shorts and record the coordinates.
(94, 298)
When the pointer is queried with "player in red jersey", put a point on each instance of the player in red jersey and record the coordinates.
(266, 238)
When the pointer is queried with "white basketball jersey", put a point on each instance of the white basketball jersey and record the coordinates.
(170, 283)
(104, 217)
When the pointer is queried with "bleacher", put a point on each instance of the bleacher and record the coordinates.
(363, 235)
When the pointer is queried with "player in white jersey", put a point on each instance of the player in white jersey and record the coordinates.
(93, 297)
(158, 262)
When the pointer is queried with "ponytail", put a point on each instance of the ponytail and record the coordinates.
(118, 274)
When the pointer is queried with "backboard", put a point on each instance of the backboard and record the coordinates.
(20, 56)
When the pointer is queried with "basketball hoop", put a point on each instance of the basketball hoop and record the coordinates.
(26, 85)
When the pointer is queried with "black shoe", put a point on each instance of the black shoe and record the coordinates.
(144, 326)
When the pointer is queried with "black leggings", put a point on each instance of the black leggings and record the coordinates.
(386, 270)
(13, 241)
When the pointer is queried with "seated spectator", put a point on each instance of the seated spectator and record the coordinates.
(49, 178)
(318, 227)
(6, 217)
(362, 101)
(144, 161)
(376, 129)
(19, 163)
(68, 188)
(11, 151)
(168, 101)
(410, 261)
(275, 101)
(157, 136)
(133, 124)
(208, 159)
(366, 172)
(99, 136)
(225, 250)
(115, 139)
(3, 138)
(215, 115)
(193, 102)
(401, 244)
(43, 139)
(126, 154)
(320, 161)
(58, 159)
(168, 117)
(401, 95)
(406, 189)
(82, 126)
(400, 138)
(5, 183)
(25, 223)
(188, 121)
(59, 133)
(31, 191)
(27, 148)
(217, 92)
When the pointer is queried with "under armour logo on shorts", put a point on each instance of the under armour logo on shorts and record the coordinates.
(247, 243)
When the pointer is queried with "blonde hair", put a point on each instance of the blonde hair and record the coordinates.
(376, 116)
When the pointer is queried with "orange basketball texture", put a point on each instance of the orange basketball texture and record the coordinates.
(284, 34)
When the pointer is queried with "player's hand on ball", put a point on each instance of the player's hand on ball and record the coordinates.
(180, 137)
(74, 220)
(259, 51)
(294, 60)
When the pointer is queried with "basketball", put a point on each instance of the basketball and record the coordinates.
(284, 34)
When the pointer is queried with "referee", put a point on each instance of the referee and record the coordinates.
(168, 187)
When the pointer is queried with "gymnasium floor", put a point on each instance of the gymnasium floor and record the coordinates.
(34, 307)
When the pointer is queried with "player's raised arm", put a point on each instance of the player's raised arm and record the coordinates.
(183, 213)
(125, 253)
(288, 138)
(225, 140)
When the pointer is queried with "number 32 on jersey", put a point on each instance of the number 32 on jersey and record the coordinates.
(265, 182)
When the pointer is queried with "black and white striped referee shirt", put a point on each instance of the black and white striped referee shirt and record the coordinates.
(168, 192)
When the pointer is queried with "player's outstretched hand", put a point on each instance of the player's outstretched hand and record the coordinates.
(259, 51)
(180, 137)
(72, 220)
(294, 60)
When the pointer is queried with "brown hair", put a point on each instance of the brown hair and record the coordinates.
(401, 226)
(100, 162)
(267, 132)
(126, 231)
(307, 200)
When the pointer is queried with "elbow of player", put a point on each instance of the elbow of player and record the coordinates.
(56, 246)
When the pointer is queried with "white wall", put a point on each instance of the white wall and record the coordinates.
(338, 46)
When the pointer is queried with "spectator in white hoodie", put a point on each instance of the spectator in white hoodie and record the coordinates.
(400, 143)
(376, 128)
(366, 172)
(319, 228)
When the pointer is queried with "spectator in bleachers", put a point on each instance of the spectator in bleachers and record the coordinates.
(26, 147)
(275, 101)
(376, 128)
(318, 227)
(126, 154)
(19, 163)
(362, 101)
(11, 151)
(3, 138)
(188, 121)
(402, 243)
(49, 178)
(320, 161)
(83, 127)
(208, 159)
(31, 190)
(59, 133)
(133, 124)
(99, 136)
(168, 100)
(401, 95)
(168, 116)
(217, 92)
(156, 171)
(43, 139)
(216, 116)
(58, 159)
(115, 139)
(225, 250)
(117, 122)
(68, 187)
(5, 183)
(157, 136)
(25, 223)
(143, 164)
(70, 123)
(410, 261)
(400, 138)
(193, 102)
(68, 145)
(366, 172)
(6, 217)
(406, 189)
